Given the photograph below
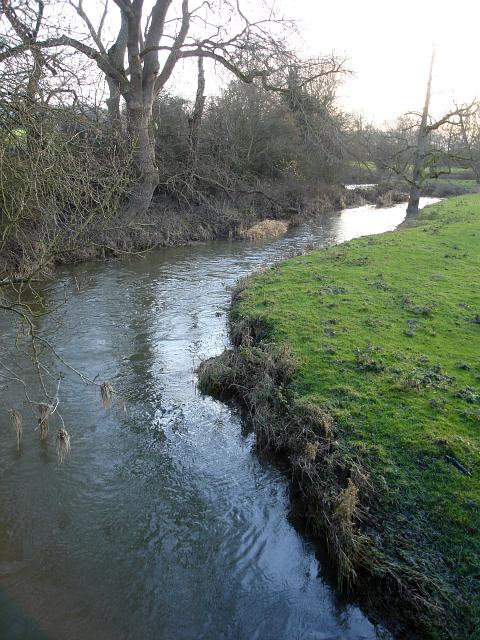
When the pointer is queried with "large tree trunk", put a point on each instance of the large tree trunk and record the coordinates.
(116, 56)
(146, 177)
(146, 80)
(413, 202)
(113, 105)
(420, 152)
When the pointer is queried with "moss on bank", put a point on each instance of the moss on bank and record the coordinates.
(362, 363)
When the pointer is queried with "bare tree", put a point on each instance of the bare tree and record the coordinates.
(423, 157)
(256, 51)
(418, 148)
(469, 142)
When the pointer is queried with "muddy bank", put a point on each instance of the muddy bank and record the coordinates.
(168, 224)
(257, 377)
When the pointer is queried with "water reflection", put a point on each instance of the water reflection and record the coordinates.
(164, 523)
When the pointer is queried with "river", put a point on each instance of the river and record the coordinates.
(164, 523)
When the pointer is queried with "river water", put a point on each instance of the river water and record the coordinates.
(164, 523)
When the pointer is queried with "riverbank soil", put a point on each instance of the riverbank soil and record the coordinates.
(361, 362)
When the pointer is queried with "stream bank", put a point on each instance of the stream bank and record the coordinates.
(170, 223)
(163, 522)
(357, 364)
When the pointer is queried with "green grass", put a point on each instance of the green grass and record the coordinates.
(455, 170)
(370, 166)
(470, 186)
(386, 334)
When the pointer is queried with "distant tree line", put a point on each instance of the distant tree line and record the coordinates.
(418, 148)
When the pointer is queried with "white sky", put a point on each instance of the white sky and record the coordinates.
(389, 46)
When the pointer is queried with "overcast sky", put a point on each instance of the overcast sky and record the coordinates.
(389, 46)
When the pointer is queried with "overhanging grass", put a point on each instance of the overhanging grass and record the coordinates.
(386, 334)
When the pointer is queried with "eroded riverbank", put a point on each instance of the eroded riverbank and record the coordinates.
(358, 364)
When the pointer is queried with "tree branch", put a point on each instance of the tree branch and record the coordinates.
(65, 41)
(175, 53)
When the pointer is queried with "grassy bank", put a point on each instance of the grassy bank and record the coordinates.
(361, 362)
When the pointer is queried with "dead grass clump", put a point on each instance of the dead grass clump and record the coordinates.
(469, 394)
(311, 450)
(247, 331)
(266, 229)
(277, 362)
(215, 375)
(238, 290)
(318, 420)
(368, 358)
(472, 415)
(17, 422)
(425, 310)
(384, 200)
(346, 507)
(44, 411)
(346, 543)
(63, 445)
(361, 480)
(106, 393)
(432, 377)
(390, 197)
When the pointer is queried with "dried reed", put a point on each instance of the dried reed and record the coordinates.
(63, 445)
(44, 411)
(106, 393)
(17, 422)
(266, 229)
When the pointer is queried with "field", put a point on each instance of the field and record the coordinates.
(458, 182)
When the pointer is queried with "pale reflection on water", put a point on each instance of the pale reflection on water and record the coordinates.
(164, 523)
